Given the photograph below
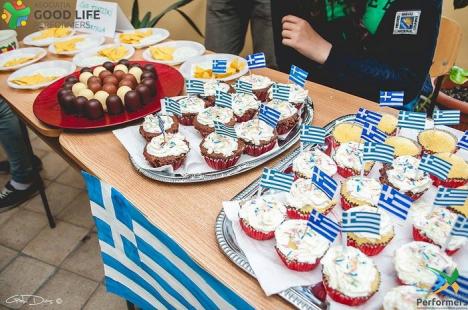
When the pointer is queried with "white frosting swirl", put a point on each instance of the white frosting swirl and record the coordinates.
(350, 271)
(300, 243)
(406, 176)
(173, 145)
(297, 94)
(363, 189)
(218, 144)
(305, 194)
(264, 214)
(349, 155)
(306, 161)
(405, 297)
(258, 81)
(191, 104)
(242, 102)
(285, 108)
(386, 225)
(254, 131)
(212, 85)
(151, 123)
(211, 114)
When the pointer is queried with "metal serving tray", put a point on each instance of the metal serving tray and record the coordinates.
(284, 145)
(301, 296)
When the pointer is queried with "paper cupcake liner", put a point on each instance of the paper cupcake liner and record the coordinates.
(257, 150)
(342, 298)
(367, 248)
(430, 152)
(348, 172)
(296, 214)
(255, 234)
(294, 264)
(451, 183)
(319, 291)
(221, 163)
(331, 144)
(418, 235)
(177, 164)
(186, 120)
(345, 204)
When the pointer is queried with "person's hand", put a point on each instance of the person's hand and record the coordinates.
(298, 34)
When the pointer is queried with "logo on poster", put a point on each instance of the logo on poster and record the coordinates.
(15, 14)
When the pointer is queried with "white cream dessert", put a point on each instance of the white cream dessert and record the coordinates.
(217, 144)
(405, 297)
(406, 177)
(168, 145)
(210, 87)
(349, 155)
(305, 196)
(284, 107)
(361, 190)
(307, 160)
(255, 132)
(297, 94)
(263, 214)
(241, 103)
(191, 105)
(258, 81)
(211, 114)
(151, 123)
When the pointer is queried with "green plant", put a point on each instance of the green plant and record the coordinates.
(458, 75)
(149, 22)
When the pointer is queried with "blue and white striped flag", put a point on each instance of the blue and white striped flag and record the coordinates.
(243, 87)
(463, 143)
(361, 222)
(297, 75)
(323, 225)
(194, 87)
(460, 227)
(371, 133)
(324, 182)
(161, 124)
(312, 135)
(257, 60)
(172, 106)
(364, 116)
(273, 179)
(280, 91)
(391, 98)
(224, 130)
(223, 99)
(435, 166)
(446, 117)
(219, 65)
(378, 152)
(269, 115)
(450, 197)
(412, 120)
(462, 294)
(144, 265)
(394, 202)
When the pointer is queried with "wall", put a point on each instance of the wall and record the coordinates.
(461, 17)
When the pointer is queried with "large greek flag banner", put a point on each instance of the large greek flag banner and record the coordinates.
(144, 265)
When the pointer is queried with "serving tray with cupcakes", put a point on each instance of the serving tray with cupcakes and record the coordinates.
(263, 230)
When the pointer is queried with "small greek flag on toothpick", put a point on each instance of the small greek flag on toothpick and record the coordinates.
(435, 166)
(391, 98)
(460, 227)
(412, 120)
(224, 130)
(450, 197)
(243, 87)
(219, 66)
(324, 182)
(269, 115)
(194, 87)
(364, 116)
(172, 106)
(361, 222)
(273, 179)
(394, 202)
(378, 152)
(255, 61)
(280, 92)
(446, 117)
(371, 133)
(223, 99)
(312, 135)
(297, 75)
(463, 143)
(161, 124)
(323, 225)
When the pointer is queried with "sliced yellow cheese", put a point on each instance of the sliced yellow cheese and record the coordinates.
(34, 79)
(67, 46)
(134, 37)
(18, 61)
(55, 32)
(113, 53)
(235, 66)
(162, 53)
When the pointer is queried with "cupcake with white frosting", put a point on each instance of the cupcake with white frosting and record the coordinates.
(414, 261)
(259, 217)
(245, 106)
(289, 115)
(204, 122)
(299, 247)
(258, 137)
(303, 197)
(349, 276)
(357, 191)
(190, 106)
(297, 94)
(405, 297)
(348, 158)
(260, 85)
(221, 152)
(304, 163)
(405, 176)
(150, 126)
(209, 91)
(168, 149)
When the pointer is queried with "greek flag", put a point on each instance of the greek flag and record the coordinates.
(460, 227)
(256, 60)
(144, 265)
(378, 152)
(361, 222)
(194, 87)
(280, 92)
(412, 120)
(323, 225)
(371, 133)
(273, 179)
(450, 197)
(446, 117)
(219, 65)
(364, 116)
(435, 166)
(224, 130)
(269, 115)
(161, 124)
(172, 106)
(394, 202)
(391, 98)
(462, 294)
(297, 75)
(324, 182)
(463, 143)
(223, 99)
(312, 135)
(243, 87)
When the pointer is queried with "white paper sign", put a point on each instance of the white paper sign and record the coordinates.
(100, 17)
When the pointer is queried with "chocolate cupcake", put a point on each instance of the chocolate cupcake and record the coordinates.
(150, 127)
(204, 121)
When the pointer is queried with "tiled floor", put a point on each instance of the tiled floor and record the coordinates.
(62, 265)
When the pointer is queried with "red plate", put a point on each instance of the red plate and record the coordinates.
(47, 109)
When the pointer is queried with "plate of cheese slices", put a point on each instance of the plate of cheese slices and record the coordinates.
(48, 36)
(142, 37)
(99, 55)
(18, 58)
(173, 52)
(75, 44)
